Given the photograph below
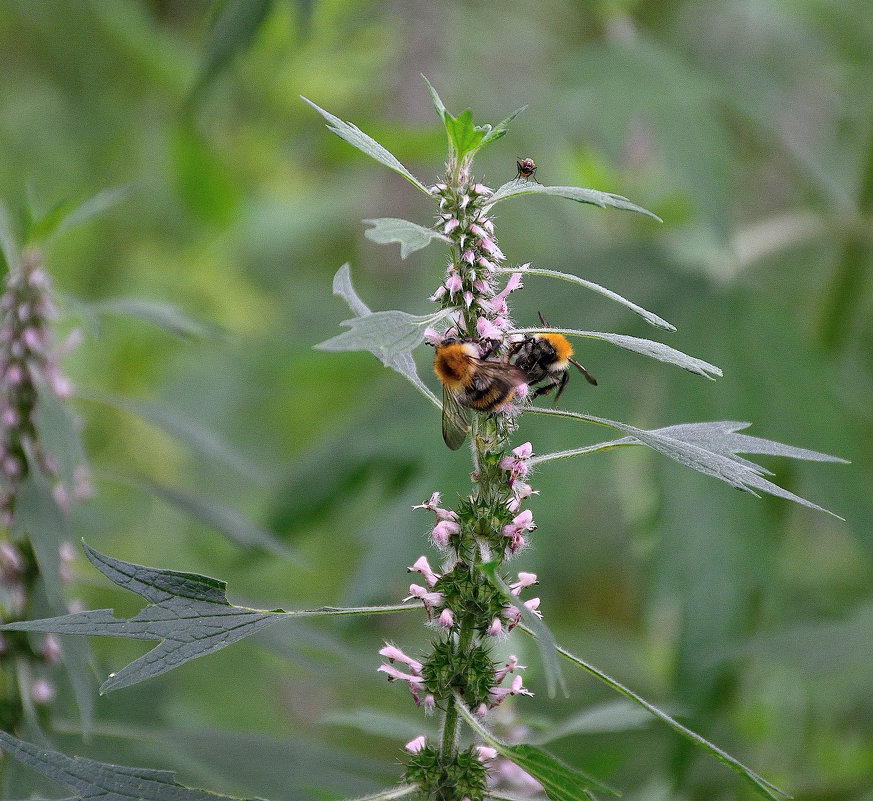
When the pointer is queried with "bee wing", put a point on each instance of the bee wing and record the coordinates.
(456, 421)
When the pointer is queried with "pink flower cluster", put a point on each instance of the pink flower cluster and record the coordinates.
(28, 367)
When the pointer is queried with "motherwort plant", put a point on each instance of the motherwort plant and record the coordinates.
(492, 373)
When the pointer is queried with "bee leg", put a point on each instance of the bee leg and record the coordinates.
(565, 377)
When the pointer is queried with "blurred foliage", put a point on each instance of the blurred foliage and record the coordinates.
(746, 126)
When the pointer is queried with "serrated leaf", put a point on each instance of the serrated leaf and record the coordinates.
(645, 347)
(357, 138)
(187, 613)
(544, 638)
(196, 436)
(709, 448)
(88, 778)
(389, 335)
(517, 187)
(410, 235)
(760, 784)
(560, 781)
(649, 317)
(166, 316)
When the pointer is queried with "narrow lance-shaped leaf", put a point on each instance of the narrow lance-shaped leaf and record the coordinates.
(760, 784)
(357, 138)
(649, 317)
(645, 347)
(165, 316)
(88, 778)
(709, 448)
(188, 614)
(517, 187)
(389, 335)
(219, 516)
(560, 781)
(545, 639)
(8, 245)
(410, 235)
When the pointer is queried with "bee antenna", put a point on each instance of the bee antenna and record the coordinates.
(543, 319)
(588, 377)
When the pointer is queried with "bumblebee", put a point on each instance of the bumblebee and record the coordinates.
(471, 381)
(526, 169)
(545, 359)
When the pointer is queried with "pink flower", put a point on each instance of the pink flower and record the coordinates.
(487, 329)
(453, 284)
(469, 257)
(444, 531)
(450, 226)
(42, 691)
(486, 752)
(392, 653)
(428, 599)
(447, 619)
(423, 566)
(416, 745)
(524, 580)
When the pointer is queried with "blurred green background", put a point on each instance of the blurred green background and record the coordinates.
(746, 126)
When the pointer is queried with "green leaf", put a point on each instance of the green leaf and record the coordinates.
(544, 638)
(389, 335)
(357, 138)
(225, 519)
(648, 316)
(58, 434)
(68, 214)
(8, 245)
(645, 347)
(39, 518)
(187, 613)
(234, 30)
(437, 101)
(709, 448)
(501, 128)
(517, 187)
(614, 716)
(465, 137)
(559, 780)
(196, 436)
(760, 784)
(88, 778)
(166, 316)
(410, 235)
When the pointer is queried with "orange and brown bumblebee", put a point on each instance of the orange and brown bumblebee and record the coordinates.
(472, 381)
(526, 169)
(545, 359)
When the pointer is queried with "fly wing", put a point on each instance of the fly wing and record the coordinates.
(456, 421)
